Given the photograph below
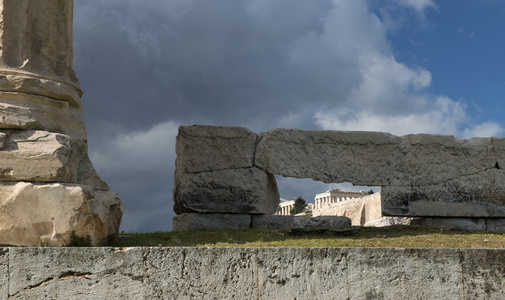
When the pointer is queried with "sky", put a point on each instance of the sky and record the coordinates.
(399, 66)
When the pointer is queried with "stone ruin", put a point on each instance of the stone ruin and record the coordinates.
(228, 173)
(48, 186)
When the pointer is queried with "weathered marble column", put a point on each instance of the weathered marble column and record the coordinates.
(48, 186)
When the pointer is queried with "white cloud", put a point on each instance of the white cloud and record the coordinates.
(486, 129)
(419, 5)
(389, 96)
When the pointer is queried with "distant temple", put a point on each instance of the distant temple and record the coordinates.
(285, 206)
(361, 207)
(334, 196)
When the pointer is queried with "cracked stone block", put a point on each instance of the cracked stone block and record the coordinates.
(33, 214)
(70, 273)
(478, 195)
(239, 191)
(190, 222)
(301, 223)
(203, 148)
(32, 155)
(372, 158)
(31, 112)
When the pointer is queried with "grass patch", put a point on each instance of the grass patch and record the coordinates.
(394, 236)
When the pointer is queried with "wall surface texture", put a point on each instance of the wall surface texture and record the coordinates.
(251, 273)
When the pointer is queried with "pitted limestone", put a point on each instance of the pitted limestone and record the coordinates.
(229, 148)
(238, 191)
(31, 155)
(94, 213)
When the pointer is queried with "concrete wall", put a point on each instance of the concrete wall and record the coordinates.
(251, 273)
(359, 210)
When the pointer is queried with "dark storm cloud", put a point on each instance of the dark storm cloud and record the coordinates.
(201, 62)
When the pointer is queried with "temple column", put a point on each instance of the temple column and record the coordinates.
(44, 164)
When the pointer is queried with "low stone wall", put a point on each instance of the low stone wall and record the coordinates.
(251, 273)
(359, 210)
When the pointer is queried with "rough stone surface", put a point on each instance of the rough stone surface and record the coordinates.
(329, 156)
(198, 273)
(249, 190)
(372, 158)
(478, 195)
(287, 273)
(404, 274)
(4, 273)
(60, 209)
(32, 155)
(301, 223)
(213, 148)
(271, 222)
(192, 221)
(76, 273)
(251, 273)
(483, 272)
(497, 224)
(421, 175)
(25, 111)
(37, 49)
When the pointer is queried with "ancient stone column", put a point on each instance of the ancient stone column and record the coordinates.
(48, 186)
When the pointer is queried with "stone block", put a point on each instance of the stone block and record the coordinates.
(34, 112)
(332, 223)
(286, 273)
(32, 155)
(301, 223)
(250, 191)
(34, 214)
(191, 221)
(202, 148)
(363, 158)
(372, 158)
(271, 222)
(464, 223)
(397, 274)
(478, 195)
(495, 224)
(198, 273)
(76, 273)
